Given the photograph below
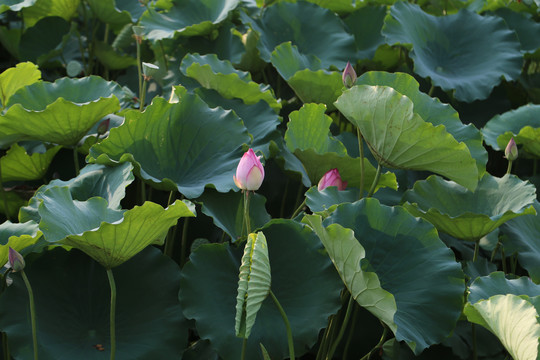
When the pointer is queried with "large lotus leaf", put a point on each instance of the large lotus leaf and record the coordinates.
(109, 236)
(227, 211)
(400, 138)
(301, 24)
(288, 60)
(323, 200)
(44, 40)
(107, 12)
(444, 51)
(93, 180)
(366, 24)
(497, 284)
(61, 112)
(431, 110)
(183, 146)
(221, 76)
(521, 236)
(15, 5)
(41, 9)
(17, 236)
(398, 249)
(470, 215)
(308, 297)
(522, 124)
(187, 18)
(260, 120)
(112, 58)
(14, 78)
(72, 306)
(18, 165)
(527, 30)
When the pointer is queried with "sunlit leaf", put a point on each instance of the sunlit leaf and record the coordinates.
(14, 78)
(66, 9)
(17, 236)
(17, 164)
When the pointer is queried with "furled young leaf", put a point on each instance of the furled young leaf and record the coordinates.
(303, 281)
(432, 110)
(61, 112)
(187, 18)
(444, 51)
(470, 215)
(522, 124)
(221, 76)
(73, 308)
(253, 284)
(301, 24)
(399, 249)
(17, 236)
(227, 211)
(399, 138)
(14, 78)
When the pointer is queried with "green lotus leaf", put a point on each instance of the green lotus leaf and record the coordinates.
(15, 5)
(522, 124)
(496, 283)
(444, 51)
(521, 236)
(300, 23)
(527, 30)
(227, 211)
(44, 40)
(323, 200)
(466, 215)
(339, 6)
(308, 298)
(399, 138)
(221, 76)
(512, 319)
(107, 11)
(112, 58)
(109, 236)
(93, 180)
(432, 110)
(18, 165)
(398, 250)
(17, 236)
(17, 77)
(288, 60)
(182, 146)
(366, 24)
(187, 18)
(61, 112)
(41, 9)
(72, 307)
(253, 284)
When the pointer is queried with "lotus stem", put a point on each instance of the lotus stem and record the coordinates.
(139, 72)
(244, 346)
(112, 322)
(287, 325)
(509, 169)
(169, 241)
(298, 209)
(379, 344)
(362, 170)
(503, 258)
(351, 332)
(143, 94)
(343, 327)
(476, 250)
(375, 181)
(183, 245)
(246, 212)
(32, 313)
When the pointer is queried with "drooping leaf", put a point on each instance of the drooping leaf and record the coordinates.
(398, 250)
(221, 76)
(522, 124)
(17, 164)
(432, 110)
(466, 215)
(61, 112)
(73, 308)
(14, 78)
(444, 51)
(93, 180)
(183, 146)
(187, 18)
(227, 211)
(399, 138)
(300, 23)
(527, 30)
(17, 236)
(308, 298)
(253, 284)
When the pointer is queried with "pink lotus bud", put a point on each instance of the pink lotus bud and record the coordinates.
(103, 126)
(250, 172)
(332, 178)
(349, 76)
(511, 151)
(16, 260)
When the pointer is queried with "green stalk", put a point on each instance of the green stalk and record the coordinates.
(287, 325)
(323, 347)
(362, 170)
(503, 258)
(509, 169)
(169, 242)
(298, 209)
(112, 322)
(183, 244)
(244, 346)
(379, 344)
(476, 250)
(343, 328)
(351, 333)
(139, 71)
(143, 95)
(246, 212)
(375, 181)
(32, 313)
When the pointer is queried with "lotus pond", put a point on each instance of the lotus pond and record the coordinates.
(249, 179)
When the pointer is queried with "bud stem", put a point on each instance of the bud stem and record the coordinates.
(32, 313)
(375, 181)
(509, 169)
(112, 321)
(246, 212)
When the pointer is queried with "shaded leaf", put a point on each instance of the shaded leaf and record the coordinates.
(18, 236)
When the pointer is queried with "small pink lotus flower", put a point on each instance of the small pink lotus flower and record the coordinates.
(511, 151)
(332, 178)
(16, 260)
(349, 76)
(250, 172)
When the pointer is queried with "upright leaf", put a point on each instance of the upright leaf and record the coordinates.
(14, 78)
